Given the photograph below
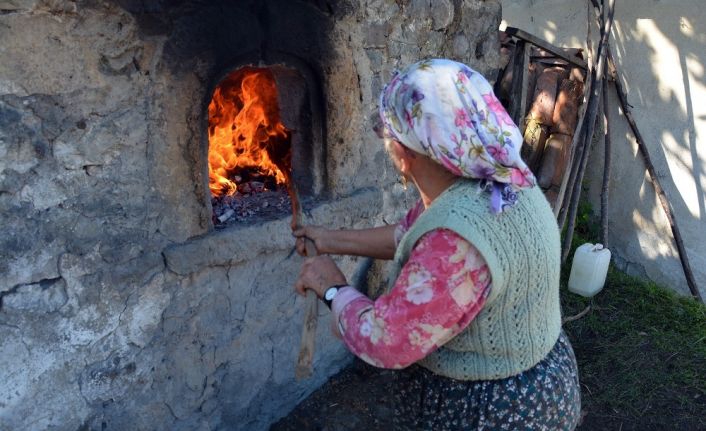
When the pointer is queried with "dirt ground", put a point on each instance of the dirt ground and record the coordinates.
(356, 399)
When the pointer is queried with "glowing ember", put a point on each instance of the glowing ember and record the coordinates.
(246, 138)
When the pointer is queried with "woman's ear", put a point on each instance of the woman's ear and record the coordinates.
(405, 157)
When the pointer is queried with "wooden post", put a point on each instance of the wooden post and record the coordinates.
(606, 167)
(518, 93)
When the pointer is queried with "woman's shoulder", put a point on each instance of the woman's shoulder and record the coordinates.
(412, 215)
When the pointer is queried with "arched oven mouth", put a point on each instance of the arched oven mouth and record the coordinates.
(264, 143)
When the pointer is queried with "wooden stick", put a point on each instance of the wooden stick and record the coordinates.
(576, 316)
(534, 40)
(606, 167)
(592, 111)
(305, 360)
(622, 96)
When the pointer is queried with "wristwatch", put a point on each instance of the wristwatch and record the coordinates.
(330, 293)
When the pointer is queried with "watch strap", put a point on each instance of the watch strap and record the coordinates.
(328, 302)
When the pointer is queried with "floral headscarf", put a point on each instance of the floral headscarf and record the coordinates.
(447, 111)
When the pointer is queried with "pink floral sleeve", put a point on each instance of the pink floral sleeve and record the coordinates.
(441, 288)
(404, 224)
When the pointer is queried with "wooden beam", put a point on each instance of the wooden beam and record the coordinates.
(534, 40)
(517, 96)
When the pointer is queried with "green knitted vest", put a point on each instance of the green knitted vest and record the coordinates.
(521, 320)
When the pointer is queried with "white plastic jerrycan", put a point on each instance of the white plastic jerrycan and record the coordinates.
(589, 269)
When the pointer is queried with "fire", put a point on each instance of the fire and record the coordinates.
(245, 133)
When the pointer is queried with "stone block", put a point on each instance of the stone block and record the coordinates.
(460, 46)
(18, 5)
(442, 14)
(376, 35)
(237, 244)
(30, 267)
(46, 296)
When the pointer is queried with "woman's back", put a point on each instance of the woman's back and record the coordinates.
(521, 320)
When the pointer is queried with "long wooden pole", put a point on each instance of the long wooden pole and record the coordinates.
(606, 166)
(577, 144)
(592, 111)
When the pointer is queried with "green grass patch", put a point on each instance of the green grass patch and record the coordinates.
(641, 351)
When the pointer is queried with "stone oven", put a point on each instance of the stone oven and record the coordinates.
(125, 302)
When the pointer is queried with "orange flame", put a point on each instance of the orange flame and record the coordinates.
(244, 129)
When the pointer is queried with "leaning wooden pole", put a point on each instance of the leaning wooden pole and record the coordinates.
(606, 166)
(577, 144)
(591, 113)
(690, 281)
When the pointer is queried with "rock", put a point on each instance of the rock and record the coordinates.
(461, 46)
(376, 35)
(442, 13)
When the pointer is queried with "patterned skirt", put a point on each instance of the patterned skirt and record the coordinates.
(545, 397)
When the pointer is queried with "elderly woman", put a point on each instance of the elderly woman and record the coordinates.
(471, 318)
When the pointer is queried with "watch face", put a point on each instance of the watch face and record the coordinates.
(330, 293)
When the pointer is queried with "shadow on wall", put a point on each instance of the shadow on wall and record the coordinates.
(660, 46)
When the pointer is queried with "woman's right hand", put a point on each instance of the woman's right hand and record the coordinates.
(321, 237)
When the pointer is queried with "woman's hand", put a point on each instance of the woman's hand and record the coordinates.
(321, 238)
(318, 274)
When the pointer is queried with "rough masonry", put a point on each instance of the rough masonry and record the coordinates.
(120, 307)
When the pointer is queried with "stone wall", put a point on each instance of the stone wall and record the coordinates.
(120, 307)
